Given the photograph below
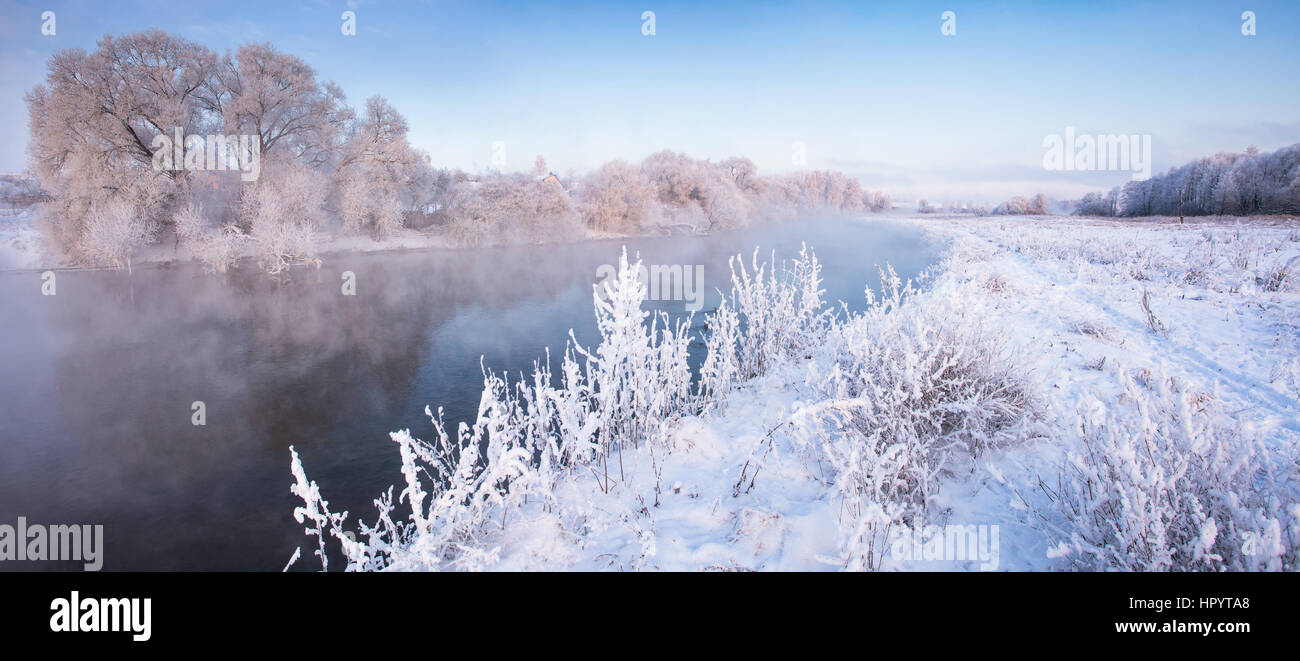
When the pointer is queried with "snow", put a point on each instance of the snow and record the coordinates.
(21, 245)
(751, 488)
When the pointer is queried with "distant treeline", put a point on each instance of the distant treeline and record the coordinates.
(1223, 184)
(153, 138)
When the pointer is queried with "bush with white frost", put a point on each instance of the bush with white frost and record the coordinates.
(1166, 480)
(622, 394)
(114, 231)
(465, 486)
(218, 248)
(915, 391)
(781, 312)
(283, 212)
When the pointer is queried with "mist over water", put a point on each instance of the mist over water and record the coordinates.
(97, 382)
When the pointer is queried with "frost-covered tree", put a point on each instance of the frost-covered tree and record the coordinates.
(93, 122)
(1237, 184)
(283, 211)
(618, 197)
(276, 96)
(502, 208)
(378, 172)
(1038, 206)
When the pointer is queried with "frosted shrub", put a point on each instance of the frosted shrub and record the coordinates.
(721, 367)
(1165, 480)
(623, 393)
(1287, 373)
(637, 379)
(916, 390)
(772, 314)
(780, 313)
(218, 248)
(463, 488)
(283, 211)
(1197, 268)
(1280, 276)
(114, 231)
(725, 205)
(221, 248)
(550, 214)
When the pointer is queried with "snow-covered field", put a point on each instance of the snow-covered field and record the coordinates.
(1059, 393)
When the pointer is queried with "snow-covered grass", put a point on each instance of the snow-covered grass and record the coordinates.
(1168, 353)
(1101, 395)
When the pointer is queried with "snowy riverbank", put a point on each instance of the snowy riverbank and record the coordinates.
(23, 247)
(1062, 393)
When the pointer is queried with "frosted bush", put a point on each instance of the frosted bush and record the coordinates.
(114, 231)
(1287, 373)
(464, 487)
(218, 248)
(725, 205)
(188, 223)
(283, 210)
(623, 393)
(721, 368)
(1165, 480)
(915, 390)
(773, 313)
(1280, 276)
(780, 312)
(1197, 268)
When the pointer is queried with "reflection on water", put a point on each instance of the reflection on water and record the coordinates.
(96, 383)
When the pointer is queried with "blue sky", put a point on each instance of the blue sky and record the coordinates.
(872, 88)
